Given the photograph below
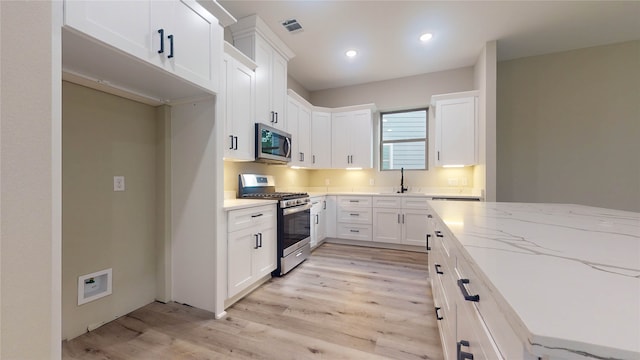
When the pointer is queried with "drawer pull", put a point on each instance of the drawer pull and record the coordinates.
(354, 214)
(428, 247)
(354, 201)
(462, 355)
(438, 271)
(429, 216)
(438, 317)
(257, 244)
(256, 215)
(354, 231)
(439, 233)
(465, 293)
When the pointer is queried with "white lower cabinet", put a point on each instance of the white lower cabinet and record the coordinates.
(401, 220)
(318, 220)
(251, 246)
(354, 218)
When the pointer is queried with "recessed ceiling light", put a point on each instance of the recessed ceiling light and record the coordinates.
(351, 53)
(426, 37)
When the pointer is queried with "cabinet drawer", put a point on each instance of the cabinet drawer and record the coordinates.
(415, 203)
(354, 201)
(471, 328)
(251, 217)
(354, 232)
(387, 202)
(354, 215)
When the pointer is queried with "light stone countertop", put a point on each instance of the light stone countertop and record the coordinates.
(570, 273)
(235, 204)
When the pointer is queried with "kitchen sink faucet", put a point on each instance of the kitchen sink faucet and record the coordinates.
(402, 188)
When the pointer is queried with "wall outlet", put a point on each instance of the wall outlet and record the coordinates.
(327, 182)
(118, 183)
(372, 181)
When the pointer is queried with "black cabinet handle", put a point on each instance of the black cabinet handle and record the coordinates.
(161, 32)
(354, 201)
(438, 271)
(403, 218)
(276, 117)
(231, 147)
(313, 159)
(324, 204)
(170, 37)
(438, 317)
(256, 215)
(260, 240)
(236, 146)
(428, 247)
(465, 293)
(439, 233)
(429, 216)
(462, 355)
(398, 218)
(317, 219)
(355, 231)
(354, 214)
(256, 236)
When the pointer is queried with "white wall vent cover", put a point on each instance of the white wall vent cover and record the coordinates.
(94, 286)
(292, 26)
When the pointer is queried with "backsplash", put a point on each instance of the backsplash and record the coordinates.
(437, 180)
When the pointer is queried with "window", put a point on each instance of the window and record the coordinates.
(403, 140)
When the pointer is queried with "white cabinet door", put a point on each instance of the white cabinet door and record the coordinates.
(321, 140)
(279, 89)
(124, 25)
(321, 225)
(240, 246)
(415, 227)
(352, 139)
(265, 255)
(299, 126)
(456, 142)
(237, 97)
(331, 217)
(362, 140)
(192, 43)
(340, 140)
(387, 227)
(262, 57)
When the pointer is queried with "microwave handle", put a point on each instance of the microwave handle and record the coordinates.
(288, 147)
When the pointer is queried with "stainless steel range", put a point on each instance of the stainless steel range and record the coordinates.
(294, 219)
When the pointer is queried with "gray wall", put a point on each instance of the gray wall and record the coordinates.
(105, 135)
(568, 127)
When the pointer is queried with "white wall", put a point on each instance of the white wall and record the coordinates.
(568, 127)
(30, 192)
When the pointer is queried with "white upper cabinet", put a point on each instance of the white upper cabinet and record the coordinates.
(254, 38)
(352, 139)
(179, 37)
(456, 129)
(236, 104)
(299, 126)
(321, 140)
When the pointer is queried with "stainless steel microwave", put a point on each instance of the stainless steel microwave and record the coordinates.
(272, 145)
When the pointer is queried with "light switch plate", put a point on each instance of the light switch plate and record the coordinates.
(118, 183)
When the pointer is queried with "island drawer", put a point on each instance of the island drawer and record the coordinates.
(392, 202)
(416, 203)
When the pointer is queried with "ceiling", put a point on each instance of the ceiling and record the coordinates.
(385, 33)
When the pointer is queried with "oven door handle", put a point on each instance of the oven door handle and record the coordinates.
(296, 209)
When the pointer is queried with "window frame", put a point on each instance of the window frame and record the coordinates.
(381, 142)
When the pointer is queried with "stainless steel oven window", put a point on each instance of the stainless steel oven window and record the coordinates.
(296, 227)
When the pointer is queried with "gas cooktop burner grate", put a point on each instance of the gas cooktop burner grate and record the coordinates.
(275, 195)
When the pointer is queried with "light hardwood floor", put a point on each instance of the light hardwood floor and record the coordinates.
(344, 302)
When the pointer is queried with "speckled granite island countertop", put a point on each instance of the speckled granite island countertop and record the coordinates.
(569, 273)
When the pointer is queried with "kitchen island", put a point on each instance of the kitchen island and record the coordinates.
(553, 280)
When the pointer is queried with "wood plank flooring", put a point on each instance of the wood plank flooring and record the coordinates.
(344, 302)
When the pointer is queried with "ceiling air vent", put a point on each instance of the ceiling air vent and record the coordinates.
(292, 26)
